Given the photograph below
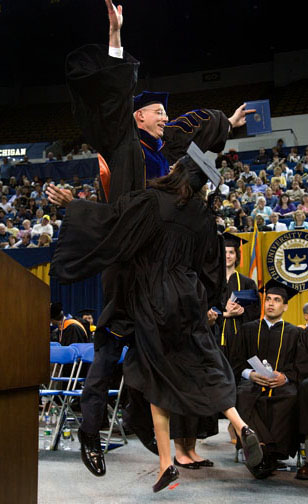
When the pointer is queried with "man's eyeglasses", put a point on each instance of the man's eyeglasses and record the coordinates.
(159, 112)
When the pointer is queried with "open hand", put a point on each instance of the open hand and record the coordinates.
(61, 197)
(239, 117)
(115, 16)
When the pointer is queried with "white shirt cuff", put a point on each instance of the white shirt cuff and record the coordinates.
(116, 52)
(246, 373)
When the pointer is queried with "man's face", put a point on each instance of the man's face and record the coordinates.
(268, 193)
(246, 168)
(274, 218)
(274, 306)
(230, 256)
(89, 318)
(2, 229)
(45, 222)
(152, 119)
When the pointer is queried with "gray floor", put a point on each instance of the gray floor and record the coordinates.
(132, 470)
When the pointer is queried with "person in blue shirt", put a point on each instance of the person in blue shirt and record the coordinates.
(299, 221)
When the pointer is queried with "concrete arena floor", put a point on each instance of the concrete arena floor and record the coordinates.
(132, 470)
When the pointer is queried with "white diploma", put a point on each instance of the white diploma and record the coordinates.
(257, 365)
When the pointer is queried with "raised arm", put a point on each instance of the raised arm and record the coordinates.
(115, 23)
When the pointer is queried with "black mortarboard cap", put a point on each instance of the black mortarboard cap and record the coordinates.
(233, 241)
(148, 97)
(283, 290)
(205, 163)
(56, 310)
(86, 311)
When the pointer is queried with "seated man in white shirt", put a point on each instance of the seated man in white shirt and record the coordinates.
(43, 227)
(248, 176)
(275, 224)
(269, 403)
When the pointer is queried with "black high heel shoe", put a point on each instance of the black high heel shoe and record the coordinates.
(189, 465)
(169, 475)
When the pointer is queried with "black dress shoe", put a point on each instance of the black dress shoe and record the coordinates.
(189, 465)
(302, 472)
(205, 463)
(260, 471)
(170, 474)
(251, 446)
(92, 453)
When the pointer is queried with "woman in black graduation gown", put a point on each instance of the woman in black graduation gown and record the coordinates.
(166, 236)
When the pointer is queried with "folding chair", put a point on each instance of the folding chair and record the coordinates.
(114, 411)
(86, 355)
(60, 356)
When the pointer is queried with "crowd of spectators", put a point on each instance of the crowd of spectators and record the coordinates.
(271, 189)
(27, 218)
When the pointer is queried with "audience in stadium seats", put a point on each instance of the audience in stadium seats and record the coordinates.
(304, 204)
(293, 156)
(43, 227)
(12, 242)
(4, 236)
(295, 193)
(299, 220)
(259, 186)
(262, 157)
(11, 229)
(285, 177)
(285, 207)
(261, 209)
(247, 175)
(275, 224)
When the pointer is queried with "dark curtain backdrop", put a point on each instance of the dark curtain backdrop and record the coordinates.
(80, 295)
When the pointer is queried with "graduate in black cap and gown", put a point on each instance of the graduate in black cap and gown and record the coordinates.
(235, 315)
(269, 404)
(163, 233)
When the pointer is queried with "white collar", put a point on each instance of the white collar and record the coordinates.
(270, 324)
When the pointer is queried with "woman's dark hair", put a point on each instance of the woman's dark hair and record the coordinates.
(176, 182)
(280, 199)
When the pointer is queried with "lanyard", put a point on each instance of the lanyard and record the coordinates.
(278, 354)
(223, 339)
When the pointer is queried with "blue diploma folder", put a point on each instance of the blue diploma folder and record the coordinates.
(245, 297)
(258, 122)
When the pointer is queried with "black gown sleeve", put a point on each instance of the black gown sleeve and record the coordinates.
(207, 128)
(108, 234)
(302, 355)
(101, 89)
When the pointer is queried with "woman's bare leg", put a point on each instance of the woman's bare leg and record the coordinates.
(237, 422)
(190, 444)
(181, 454)
(162, 433)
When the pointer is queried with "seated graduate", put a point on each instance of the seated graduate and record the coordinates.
(234, 314)
(268, 404)
(302, 367)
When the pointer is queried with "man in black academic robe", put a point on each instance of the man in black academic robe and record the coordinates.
(269, 404)
(102, 82)
(302, 367)
(235, 315)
